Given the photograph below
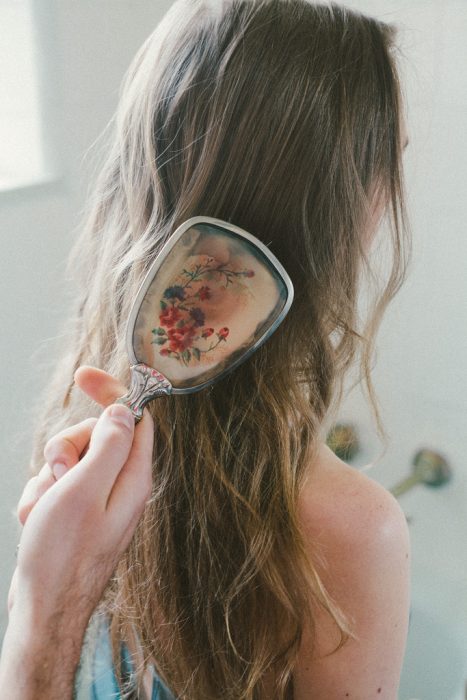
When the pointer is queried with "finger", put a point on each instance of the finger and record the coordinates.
(133, 485)
(109, 447)
(33, 490)
(67, 446)
(99, 385)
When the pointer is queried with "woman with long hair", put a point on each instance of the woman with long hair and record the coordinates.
(260, 565)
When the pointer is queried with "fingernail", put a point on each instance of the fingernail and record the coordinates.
(122, 415)
(59, 469)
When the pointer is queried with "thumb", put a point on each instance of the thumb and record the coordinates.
(109, 448)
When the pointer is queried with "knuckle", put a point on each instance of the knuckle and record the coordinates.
(33, 491)
(30, 487)
(22, 513)
(23, 509)
(49, 446)
(61, 445)
(57, 449)
(29, 497)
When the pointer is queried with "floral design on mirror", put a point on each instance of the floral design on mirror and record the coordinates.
(182, 333)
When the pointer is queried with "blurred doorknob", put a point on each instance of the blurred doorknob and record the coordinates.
(343, 441)
(428, 467)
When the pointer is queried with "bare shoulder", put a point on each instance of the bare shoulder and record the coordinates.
(362, 535)
(340, 500)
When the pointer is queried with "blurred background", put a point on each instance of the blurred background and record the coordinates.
(61, 64)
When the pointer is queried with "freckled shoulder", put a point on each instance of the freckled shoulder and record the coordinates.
(362, 532)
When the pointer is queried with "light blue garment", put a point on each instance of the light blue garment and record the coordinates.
(96, 679)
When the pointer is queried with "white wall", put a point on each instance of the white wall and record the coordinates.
(421, 373)
(421, 370)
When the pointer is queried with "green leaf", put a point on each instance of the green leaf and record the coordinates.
(186, 354)
(196, 353)
(159, 341)
(158, 331)
(163, 305)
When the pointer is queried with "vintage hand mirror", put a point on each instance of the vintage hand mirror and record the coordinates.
(212, 296)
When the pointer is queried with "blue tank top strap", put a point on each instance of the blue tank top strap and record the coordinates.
(96, 678)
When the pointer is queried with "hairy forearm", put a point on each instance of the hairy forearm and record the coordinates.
(39, 662)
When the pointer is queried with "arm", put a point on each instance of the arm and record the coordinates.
(366, 540)
(38, 661)
(75, 528)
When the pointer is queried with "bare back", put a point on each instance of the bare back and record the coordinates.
(362, 531)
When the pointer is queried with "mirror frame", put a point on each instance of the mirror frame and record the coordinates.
(189, 223)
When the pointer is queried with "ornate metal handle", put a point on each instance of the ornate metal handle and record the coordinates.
(146, 384)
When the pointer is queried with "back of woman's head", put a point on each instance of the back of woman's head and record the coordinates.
(284, 118)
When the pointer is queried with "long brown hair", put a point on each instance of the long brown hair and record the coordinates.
(283, 117)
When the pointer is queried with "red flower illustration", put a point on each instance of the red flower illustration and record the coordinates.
(180, 338)
(170, 316)
(182, 321)
(204, 293)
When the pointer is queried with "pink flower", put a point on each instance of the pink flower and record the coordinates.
(180, 338)
(204, 293)
(207, 332)
(223, 333)
(170, 316)
(250, 273)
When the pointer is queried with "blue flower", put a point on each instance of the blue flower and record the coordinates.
(175, 292)
(198, 316)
